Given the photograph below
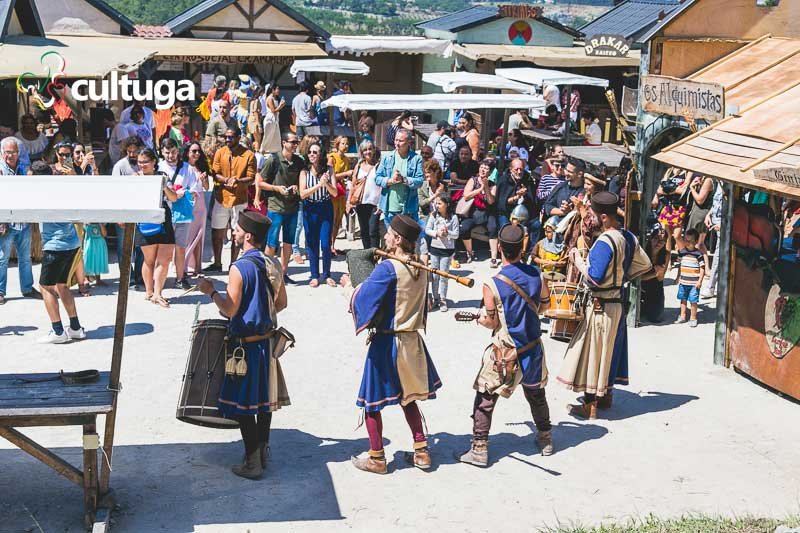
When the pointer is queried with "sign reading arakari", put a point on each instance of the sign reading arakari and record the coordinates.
(607, 45)
(677, 97)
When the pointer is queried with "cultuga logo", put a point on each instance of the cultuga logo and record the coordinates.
(165, 93)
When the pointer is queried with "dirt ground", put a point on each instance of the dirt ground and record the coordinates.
(684, 437)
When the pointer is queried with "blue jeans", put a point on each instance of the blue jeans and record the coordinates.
(387, 217)
(22, 242)
(287, 221)
(534, 227)
(318, 223)
(296, 245)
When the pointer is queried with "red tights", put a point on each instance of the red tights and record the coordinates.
(374, 424)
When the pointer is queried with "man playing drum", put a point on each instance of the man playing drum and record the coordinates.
(398, 369)
(597, 357)
(254, 295)
(512, 300)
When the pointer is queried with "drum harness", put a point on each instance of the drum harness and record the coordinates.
(598, 302)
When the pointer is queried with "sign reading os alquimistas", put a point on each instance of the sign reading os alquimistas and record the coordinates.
(677, 97)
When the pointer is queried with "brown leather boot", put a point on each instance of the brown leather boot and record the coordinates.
(374, 461)
(604, 402)
(422, 455)
(477, 455)
(251, 468)
(587, 410)
(545, 441)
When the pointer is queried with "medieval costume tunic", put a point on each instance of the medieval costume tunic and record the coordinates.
(520, 327)
(398, 369)
(263, 388)
(597, 357)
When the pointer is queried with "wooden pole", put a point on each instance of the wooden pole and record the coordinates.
(568, 118)
(116, 354)
(724, 277)
(331, 126)
(502, 156)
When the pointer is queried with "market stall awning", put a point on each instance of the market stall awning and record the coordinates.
(451, 81)
(80, 199)
(84, 57)
(754, 71)
(742, 148)
(335, 66)
(376, 44)
(543, 76)
(227, 51)
(421, 102)
(545, 56)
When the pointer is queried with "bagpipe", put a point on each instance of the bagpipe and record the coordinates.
(361, 263)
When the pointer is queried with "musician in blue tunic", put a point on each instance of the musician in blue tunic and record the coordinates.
(255, 294)
(392, 302)
(512, 300)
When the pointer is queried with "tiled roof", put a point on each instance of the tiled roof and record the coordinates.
(184, 21)
(461, 19)
(151, 32)
(477, 15)
(630, 18)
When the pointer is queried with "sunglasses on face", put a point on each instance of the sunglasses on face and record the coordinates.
(195, 151)
(230, 137)
(313, 152)
(61, 154)
(145, 162)
(291, 142)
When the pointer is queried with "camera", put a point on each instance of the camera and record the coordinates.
(670, 185)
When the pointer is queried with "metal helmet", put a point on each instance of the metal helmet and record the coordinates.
(520, 214)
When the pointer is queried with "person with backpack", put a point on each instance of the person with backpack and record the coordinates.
(444, 147)
(280, 179)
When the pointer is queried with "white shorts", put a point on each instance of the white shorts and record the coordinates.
(226, 217)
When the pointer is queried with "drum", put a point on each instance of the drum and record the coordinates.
(562, 301)
(553, 276)
(202, 379)
(563, 329)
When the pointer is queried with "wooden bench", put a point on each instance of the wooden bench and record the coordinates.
(26, 401)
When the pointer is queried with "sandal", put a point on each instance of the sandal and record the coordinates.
(470, 258)
(159, 300)
(313, 283)
(297, 258)
(330, 283)
(493, 263)
(84, 289)
(148, 297)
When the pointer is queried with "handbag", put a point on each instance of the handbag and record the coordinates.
(357, 189)
(182, 208)
(464, 207)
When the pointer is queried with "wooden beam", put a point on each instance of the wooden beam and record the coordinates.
(89, 473)
(248, 30)
(116, 352)
(42, 454)
(261, 10)
(724, 277)
(241, 10)
(55, 420)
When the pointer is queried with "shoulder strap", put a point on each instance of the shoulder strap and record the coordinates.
(519, 291)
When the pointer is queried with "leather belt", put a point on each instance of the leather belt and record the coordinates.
(256, 338)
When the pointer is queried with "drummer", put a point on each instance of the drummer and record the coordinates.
(513, 317)
(548, 254)
(254, 295)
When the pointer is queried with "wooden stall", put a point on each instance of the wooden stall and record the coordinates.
(76, 398)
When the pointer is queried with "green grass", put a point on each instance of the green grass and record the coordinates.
(688, 524)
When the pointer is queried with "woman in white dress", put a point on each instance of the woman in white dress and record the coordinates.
(272, 132)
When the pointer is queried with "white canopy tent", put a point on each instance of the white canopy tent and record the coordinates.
(427, 102)
(544, 76)
(450, 81)
(374, 44)
(333, 66)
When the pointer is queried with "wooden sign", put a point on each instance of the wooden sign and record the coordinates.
(520, 11)
(784, 175)
(607, 45)
(677, 97)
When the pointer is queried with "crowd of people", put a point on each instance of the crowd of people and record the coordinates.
(310, 187)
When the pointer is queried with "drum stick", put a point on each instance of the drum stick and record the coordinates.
(184, 293)
(467, 282)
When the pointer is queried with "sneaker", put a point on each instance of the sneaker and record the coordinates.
(680, 320)
(52, 338)
(36, 295)
(435, 304)
(75, 334)
(693, 323)
(213, 267)
(182, 284)
(706, 295)
(494, 263)
(443, 306)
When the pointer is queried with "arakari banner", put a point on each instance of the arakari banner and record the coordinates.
(677, 97)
